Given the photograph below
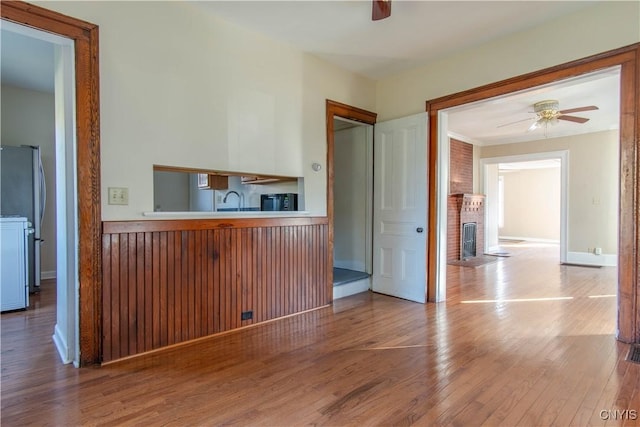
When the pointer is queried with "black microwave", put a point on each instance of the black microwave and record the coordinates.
(279, 202)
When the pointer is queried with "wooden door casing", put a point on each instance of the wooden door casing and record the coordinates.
(85, 37)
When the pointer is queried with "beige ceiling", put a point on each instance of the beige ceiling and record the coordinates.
(417, 32)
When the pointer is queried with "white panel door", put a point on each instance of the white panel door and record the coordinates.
(400, 208)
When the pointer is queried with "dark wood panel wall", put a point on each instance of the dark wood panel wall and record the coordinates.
(167, 282)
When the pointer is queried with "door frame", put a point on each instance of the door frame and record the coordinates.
(628, 58)
(563, 156)
(337, 109)
(368, 130)
(85, 37)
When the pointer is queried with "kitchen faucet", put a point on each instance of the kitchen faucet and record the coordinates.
(240, 198)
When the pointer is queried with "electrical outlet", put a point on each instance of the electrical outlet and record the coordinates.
(597, 251)
(118, 196)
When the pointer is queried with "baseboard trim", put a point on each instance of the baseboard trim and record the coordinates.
(351, 288)
(46, 275)
(61, 345)
(530, 239)
(604, 260)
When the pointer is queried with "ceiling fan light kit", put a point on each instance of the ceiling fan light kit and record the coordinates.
(548, 113)
(546, 108)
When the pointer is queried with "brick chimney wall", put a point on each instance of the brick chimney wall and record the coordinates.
(460, 167)
(461, 182)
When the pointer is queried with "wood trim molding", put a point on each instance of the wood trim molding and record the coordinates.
(337, 109)
(85, 36)
(536, 78)
(628, 59)
(352, 113)
(111, 227)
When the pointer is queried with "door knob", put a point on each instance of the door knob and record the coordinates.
(419, 229)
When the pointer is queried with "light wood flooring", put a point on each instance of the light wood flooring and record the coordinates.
(522, 341)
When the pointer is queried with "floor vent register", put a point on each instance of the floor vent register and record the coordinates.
(634, 354)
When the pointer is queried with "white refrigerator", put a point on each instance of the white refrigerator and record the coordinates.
(14, 254)
(23, 194)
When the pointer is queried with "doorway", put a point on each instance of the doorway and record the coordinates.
(43, 93)
(342, 114)
(398, 242)
(84, 235)
(353, 189)
(626, 59)
(526, 199)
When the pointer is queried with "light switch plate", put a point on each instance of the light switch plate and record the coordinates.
(118, 196)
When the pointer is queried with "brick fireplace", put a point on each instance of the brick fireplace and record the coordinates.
(464, 209)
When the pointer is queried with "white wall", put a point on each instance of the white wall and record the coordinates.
(532, 204)
(604, 26)
(181, 87)
(184, 88)
(593, 185)
(170, 191)
(28, 117)
(350, 198)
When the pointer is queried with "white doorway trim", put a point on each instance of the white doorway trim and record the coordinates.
(563, 155)
(66, 331)
(442, 186)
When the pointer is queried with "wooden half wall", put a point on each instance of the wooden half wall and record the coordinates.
(170, 281)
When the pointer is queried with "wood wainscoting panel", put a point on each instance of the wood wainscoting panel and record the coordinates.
(166, 287)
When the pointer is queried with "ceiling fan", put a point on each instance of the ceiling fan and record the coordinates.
(380, 9)
(548, 112)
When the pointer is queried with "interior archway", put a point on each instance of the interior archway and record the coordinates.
(628, 257)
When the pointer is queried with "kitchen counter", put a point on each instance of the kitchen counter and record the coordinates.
(225, 214)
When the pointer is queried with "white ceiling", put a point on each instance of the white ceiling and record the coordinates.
(417, 32)
(483, 123)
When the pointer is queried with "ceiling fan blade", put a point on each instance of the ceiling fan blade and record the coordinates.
(381, 9)
(534, 126)
(513, 123)
(579, 109)
(574, 119)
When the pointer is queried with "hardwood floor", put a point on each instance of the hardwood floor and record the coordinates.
(544, 353)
